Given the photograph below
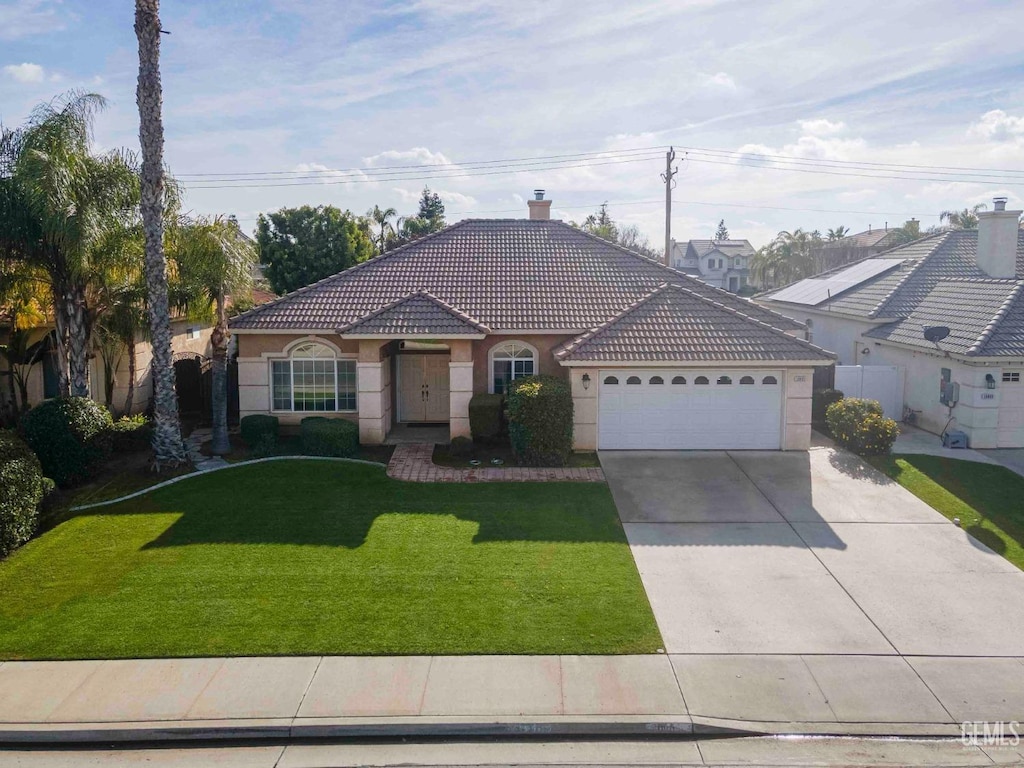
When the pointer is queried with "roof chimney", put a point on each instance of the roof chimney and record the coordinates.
(539, 207)
(997, 240)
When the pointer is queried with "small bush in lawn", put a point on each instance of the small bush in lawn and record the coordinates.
(22, 487)
(130, 434)
(461, 447)
(70, 435)
(485, 417)
(260, 432)
(820, 402)
(860, 425)
(329, 437)
(540, 420)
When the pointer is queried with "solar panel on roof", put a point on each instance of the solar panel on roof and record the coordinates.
(815, 290)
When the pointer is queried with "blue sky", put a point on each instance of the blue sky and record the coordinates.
(285, 86)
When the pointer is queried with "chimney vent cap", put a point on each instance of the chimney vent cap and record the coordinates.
(999, 203)
(538, 194)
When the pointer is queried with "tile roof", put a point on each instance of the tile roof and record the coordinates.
(867, 239)
(418, 314)
(728, 247)
(507, 274)
(940, 283)
(676, 324)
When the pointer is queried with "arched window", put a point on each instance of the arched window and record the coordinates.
(701, 380)
(679, 380)
(610, 380)
(510, 361)
(747, 380)
(633, 380)
(312, 378)
(724, 380)
(656, 380)
(769, 380)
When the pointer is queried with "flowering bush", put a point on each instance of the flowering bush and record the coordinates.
(861, 426)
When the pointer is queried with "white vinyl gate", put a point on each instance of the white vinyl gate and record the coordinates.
(873, 382)
(686, 409)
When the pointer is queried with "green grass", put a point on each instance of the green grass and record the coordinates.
(308, 557)
(986, 498)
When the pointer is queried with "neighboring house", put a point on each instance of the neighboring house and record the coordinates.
(656, 359)
(189, 340)
(846, 250)
(875, 312)
(724, 264)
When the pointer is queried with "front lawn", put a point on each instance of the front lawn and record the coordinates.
(315, 557)
(988, 499)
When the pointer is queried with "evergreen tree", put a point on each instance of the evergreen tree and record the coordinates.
(722, 233)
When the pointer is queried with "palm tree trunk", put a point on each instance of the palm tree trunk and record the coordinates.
(167, 443)
(220, 444)
(61, 337)
(78, 341)
(130, 397)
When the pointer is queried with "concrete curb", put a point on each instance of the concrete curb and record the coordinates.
(201, 472)
(356, 727)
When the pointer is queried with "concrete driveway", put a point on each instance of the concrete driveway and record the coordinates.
(807, 553)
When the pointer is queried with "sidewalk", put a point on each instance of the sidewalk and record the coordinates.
(284, 697)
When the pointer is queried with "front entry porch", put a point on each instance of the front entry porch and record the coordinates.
(411, 434)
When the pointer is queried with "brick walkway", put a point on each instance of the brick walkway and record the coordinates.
(414, 462)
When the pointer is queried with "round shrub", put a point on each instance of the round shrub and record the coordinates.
(329, 437)
(130, 434)
(860, 425)
(820, 402)
(70, 435)
(22, 487)
(540, 420)
(260, 432)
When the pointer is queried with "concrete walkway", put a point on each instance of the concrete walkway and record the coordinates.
(917, 441)
(252, 698)
(414, 462)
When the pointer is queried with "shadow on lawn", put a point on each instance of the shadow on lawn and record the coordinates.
(334, 505)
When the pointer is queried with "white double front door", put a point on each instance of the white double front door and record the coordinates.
(423, 388)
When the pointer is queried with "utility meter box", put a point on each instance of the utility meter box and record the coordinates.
(954, 439)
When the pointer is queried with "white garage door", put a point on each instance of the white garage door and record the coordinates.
(1011, 410)
(677, 410)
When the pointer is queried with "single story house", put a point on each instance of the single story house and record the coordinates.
(656, 359)
(964, 288)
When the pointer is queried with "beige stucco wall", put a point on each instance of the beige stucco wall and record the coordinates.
(543, 343)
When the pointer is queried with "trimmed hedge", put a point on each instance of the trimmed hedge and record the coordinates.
(70, 435)
(22, 487)
(540, 420)
(485, 416)
(260, 432)
(820, 401)
(329, 437)
(130, 433)
(461, 447)
(860, 425)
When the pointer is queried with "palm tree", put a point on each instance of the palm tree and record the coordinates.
(167, 442)
(382, 218)
(838, 233)
(59, 201)
(963, 219)
(212, 261)
(787, 258)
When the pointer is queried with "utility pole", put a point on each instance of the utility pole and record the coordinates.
(668, 177)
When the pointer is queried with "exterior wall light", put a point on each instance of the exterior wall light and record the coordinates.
(586, 381)
(990, 381)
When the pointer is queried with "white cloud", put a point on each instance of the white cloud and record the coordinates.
(414, 156)
(821, 127)
(325, 174)
(997, 125)
(24, 18)
(25, 72)
(718, 80)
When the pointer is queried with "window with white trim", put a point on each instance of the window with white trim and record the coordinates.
(510, 361)
(313, 379)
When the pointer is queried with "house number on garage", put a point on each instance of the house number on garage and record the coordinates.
(800, 377)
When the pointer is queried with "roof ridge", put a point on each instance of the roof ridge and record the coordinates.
(940, 239)
(586, 336)
(458, 314)
(255, 311)
(1004, 308)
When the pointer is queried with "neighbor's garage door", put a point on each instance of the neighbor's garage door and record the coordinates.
(1011, 410)
(675, 410)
